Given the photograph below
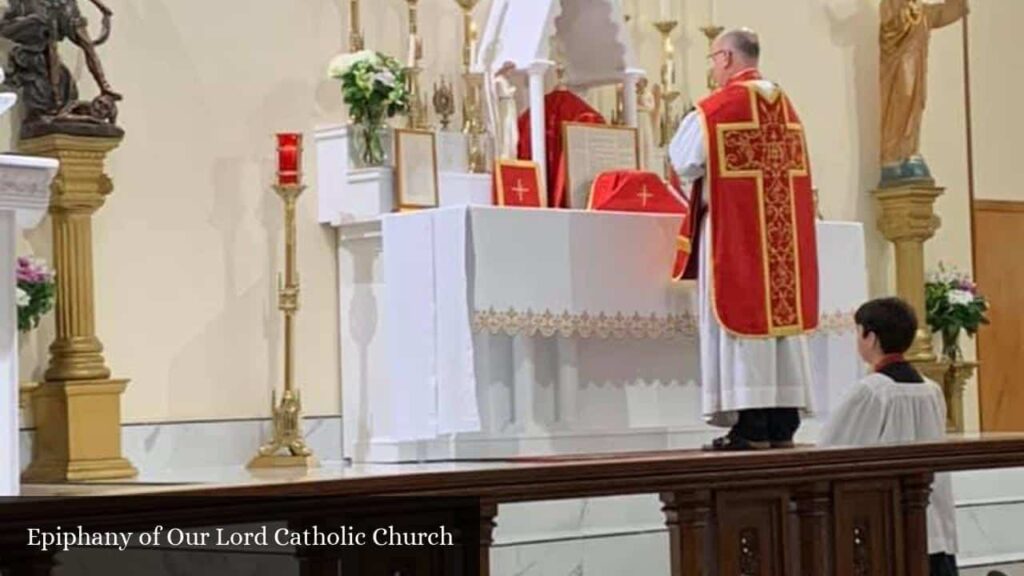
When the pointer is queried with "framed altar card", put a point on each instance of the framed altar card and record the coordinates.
(416, 179)
(519, 183)
(592, 149)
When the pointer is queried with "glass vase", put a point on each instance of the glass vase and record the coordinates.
(951, 344)
(369, 144)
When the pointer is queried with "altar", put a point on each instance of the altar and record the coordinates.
(474, 332)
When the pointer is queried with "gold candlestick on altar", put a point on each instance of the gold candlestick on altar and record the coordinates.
(468, 32)
(287, 448)
(669, 91)
(711, 32)
(472, 101)
(668, 53)
(355, 35)
(473, 124)
(417, 118)
(619, 113)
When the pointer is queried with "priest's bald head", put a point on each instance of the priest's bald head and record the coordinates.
(733, 51)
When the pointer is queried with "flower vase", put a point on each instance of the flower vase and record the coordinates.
(370, 145)
(951, 345)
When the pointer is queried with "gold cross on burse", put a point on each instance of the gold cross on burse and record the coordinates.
(519, 189)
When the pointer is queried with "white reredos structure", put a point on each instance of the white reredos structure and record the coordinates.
(24, 198)
(595, 45)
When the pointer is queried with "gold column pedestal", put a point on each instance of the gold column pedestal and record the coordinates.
(77, 409)
(953, 382)
(25, 391)
(953, 377)
(908, 219)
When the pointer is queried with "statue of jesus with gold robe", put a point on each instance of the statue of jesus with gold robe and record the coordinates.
(906, 27)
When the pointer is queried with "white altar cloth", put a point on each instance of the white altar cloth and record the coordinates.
(483, 332)
(521, 263)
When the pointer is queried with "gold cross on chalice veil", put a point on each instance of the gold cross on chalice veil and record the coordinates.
(643, 195)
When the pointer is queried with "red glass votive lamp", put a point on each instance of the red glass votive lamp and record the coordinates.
(289, 158)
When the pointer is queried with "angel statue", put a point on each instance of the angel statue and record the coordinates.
(37, 27)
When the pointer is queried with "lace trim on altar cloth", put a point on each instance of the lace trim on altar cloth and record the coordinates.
(836, 322)
(513, 322)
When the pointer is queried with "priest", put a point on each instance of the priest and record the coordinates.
(560, 106)
(744, 151)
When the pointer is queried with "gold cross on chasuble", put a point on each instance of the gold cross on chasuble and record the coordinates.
(770, 150)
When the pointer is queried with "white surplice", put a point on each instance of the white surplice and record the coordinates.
(737, 373)
(878, 410)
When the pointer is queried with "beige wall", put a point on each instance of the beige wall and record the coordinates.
(995, 100)
(188, 247)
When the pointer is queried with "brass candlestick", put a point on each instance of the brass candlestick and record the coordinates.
(472, 102)
(473, 125)
(711, 32)
(669, 90)
(619, 113)
(288, 414)
(468, 32)
(355, 35)
(417, 118)
(668, 53)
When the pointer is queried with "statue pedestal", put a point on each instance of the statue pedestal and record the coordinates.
(953, 377)
(907, 220)
(77, 409)
(953, 383)
(24, 195)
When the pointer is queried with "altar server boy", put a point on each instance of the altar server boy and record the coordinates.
(895, 404)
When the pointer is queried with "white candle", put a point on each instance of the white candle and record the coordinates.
(665, 12)
(711, 12)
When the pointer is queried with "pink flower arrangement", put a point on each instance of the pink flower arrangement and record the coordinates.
(953, 306)
(36, 291)
(33, 270)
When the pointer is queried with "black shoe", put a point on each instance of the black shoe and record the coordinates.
(733, 443)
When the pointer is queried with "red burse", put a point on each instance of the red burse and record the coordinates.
(560, 106)
(764, 260)
(518, 183)
(637, 191)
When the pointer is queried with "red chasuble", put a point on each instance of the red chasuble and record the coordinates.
(764, 259)
(560, 106)
(636, 191)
